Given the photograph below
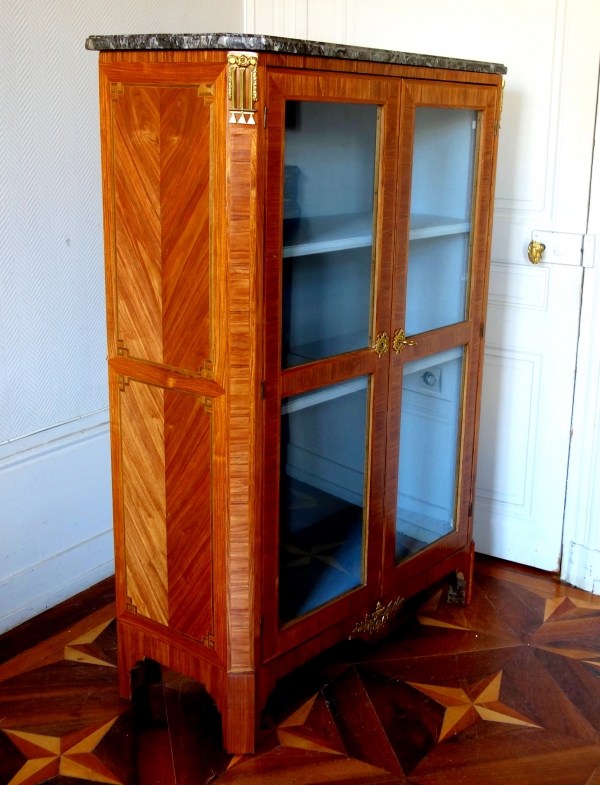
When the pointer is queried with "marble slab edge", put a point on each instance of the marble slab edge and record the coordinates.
(292, 46)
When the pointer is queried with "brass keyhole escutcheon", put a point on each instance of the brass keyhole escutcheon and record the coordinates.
(400, 341)
(382, 344)
(535, 251)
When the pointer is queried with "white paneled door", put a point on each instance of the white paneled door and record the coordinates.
(528, 382)
(552, 50)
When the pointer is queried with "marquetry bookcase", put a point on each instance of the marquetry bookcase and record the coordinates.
(297, 249)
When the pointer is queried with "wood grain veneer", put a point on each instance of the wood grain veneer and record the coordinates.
(301, 62)
(144, 499)
(192, 221)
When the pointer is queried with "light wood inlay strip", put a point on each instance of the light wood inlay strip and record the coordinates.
(51, 650)
(169, 378)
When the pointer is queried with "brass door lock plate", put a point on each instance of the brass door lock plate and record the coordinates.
(400, 341)
(382, 344)
(535, 251)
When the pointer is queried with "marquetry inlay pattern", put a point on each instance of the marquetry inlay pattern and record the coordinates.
(506, 690)
(116, 90)
(463, 707)
(69, 756)
(206, 91)
(82, 649)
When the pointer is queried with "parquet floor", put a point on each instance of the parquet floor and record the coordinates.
(505, 691)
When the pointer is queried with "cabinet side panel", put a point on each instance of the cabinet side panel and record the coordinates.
(144, 498)
(188, 453)
(185, 164)
(136, 160)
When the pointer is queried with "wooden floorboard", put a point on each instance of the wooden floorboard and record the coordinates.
(55, 619)
(504, 691)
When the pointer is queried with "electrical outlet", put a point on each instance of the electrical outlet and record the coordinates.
(431, 379)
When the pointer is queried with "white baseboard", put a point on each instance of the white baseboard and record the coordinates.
(581, 567)
(55, 516)
(59, 577)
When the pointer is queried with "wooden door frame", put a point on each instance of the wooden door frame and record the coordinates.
(348, 88)
(468, 333)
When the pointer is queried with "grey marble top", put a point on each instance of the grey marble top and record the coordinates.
(292, 46)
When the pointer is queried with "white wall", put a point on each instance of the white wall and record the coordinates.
(55, 513)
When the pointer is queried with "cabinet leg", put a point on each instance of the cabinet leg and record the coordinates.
(460, 589)
(239, 717)
(127, 659)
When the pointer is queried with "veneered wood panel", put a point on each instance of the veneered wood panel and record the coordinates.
(188, 484)
(185, 187)
(163, 212)
(167, 506)
(136, 184)
(144, 498)
(163, 135)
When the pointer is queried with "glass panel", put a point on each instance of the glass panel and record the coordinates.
(323, 443)
(440, 221)
(429, 444)
(328, 204)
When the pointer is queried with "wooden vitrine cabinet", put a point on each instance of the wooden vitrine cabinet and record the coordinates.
(297, 252)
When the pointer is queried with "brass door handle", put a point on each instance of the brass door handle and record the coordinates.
(535, 251)
(382, 344)
(400, 341)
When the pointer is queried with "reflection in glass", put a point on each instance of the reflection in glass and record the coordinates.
(328, 199)
(429, 447)
(440, 222)
(323, 442)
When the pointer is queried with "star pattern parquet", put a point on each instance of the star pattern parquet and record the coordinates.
(504, 691)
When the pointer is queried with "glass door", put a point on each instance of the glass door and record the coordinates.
(447, 137)
(331, 182)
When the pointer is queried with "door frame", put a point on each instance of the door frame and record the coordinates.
(294, 84)
(468, 333)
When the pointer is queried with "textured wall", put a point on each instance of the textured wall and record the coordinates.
(55, 505)
(52, 335)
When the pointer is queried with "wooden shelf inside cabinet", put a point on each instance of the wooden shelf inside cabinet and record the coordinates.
(330, 233)
(422, 227)
(327, 233)
(324, 394)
